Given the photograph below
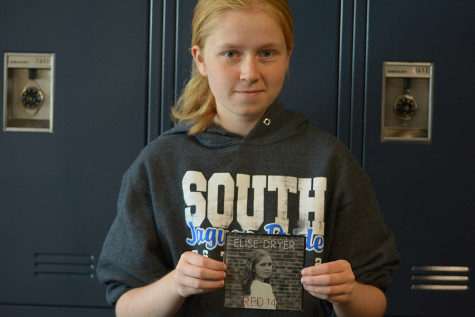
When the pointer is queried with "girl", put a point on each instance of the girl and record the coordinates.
(256, 281)
(163, 253)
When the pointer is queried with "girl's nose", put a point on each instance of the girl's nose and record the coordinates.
(249, 70)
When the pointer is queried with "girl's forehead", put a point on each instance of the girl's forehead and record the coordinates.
(265, 258)
(242, 18)
(245, 27)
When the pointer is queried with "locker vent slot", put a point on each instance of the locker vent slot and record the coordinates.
(65, 264)
(440, 278)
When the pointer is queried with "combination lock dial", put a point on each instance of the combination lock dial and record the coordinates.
(32, 98)
(405, 107)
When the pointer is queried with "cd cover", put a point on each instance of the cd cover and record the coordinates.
(264, 271)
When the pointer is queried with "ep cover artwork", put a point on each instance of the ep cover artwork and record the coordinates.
(264, 271)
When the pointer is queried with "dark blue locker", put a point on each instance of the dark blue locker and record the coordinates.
(58, 190)
(426, 189)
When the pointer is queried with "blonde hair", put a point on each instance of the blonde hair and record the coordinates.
(197, 103)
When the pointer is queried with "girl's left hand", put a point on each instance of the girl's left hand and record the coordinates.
(332, 281)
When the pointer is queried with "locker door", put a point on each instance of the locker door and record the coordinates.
(312, 86)
(426, 189)
(58, 190)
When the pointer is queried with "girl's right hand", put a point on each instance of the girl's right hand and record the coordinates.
(196, 274)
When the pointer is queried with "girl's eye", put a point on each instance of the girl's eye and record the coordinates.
(267, 53)
(230, 54)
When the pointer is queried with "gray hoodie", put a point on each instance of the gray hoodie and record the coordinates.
(285, 177)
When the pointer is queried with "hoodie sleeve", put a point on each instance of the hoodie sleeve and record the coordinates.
(360, 235)
(131, 254)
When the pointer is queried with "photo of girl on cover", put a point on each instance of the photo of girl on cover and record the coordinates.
(256, 280)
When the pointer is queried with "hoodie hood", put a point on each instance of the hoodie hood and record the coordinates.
(275, 125)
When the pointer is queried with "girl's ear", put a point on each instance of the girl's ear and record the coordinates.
(198, 56)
